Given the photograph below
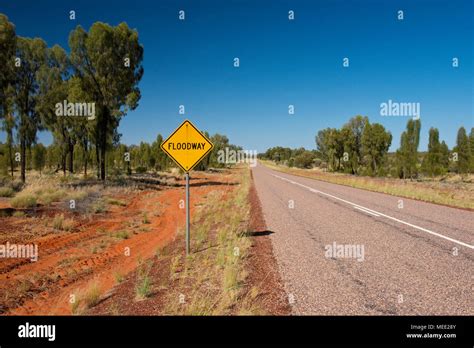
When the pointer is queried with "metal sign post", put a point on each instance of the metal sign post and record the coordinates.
(187, 215)
(187, 146)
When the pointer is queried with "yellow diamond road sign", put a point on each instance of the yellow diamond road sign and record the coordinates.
(187, 146)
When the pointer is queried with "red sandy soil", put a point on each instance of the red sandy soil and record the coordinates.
(261, 266)
(68, 263)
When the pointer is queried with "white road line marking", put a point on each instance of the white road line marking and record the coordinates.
(360, 207)
(365, 211)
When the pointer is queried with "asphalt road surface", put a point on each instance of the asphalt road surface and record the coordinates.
(346, 251)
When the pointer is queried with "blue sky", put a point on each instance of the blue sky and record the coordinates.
(282, 62)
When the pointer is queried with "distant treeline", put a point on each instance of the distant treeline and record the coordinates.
(361, 148)
(121, 159)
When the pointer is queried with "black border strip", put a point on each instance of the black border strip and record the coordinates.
(261, 330)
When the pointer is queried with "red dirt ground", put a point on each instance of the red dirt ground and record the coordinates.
(261, 266)
(69, 262)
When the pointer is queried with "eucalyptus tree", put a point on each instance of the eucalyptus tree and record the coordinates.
(375, 142)
(30, 57)
(353, 130)
(463, 151)
(107, 60)
(53, 79)
(7, 55)
(7, 77)
(407, 154)
(433, 161)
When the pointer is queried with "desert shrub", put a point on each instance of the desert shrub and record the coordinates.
(6, 192)
(60, 223)
(99, 207)
(143, 284)
(24, 201)
(49, 196)
(114, 201)
(77, 195)
(140, 170)
(92, 295)
(122, 235)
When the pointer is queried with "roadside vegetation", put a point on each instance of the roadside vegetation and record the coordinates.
(361, 148)
(357, 155)
(213, 279)
(454, 190)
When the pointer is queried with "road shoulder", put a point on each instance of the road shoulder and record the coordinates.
(263, 267)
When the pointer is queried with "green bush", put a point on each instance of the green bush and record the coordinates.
(49, 196)
(304, 160)
(6, 192)
(24, 201)
(99, 207)
(140, 170)
(122, 235)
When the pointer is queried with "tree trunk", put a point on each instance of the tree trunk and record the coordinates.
(10, 156)
(85, 160)
(29, 167)
(23, 160)
(102, 163)
(97, 158)
(103, 141)
(71, 157)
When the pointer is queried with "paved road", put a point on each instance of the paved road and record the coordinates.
(418, 260)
